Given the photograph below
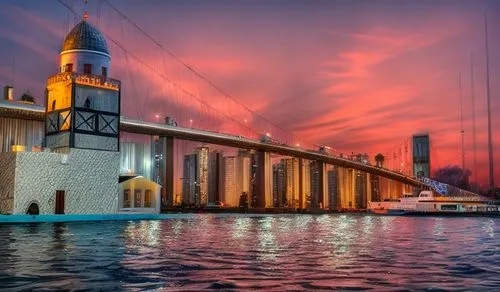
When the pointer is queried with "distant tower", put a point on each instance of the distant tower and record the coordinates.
(379, 160)
(83, 104)
(421, 156)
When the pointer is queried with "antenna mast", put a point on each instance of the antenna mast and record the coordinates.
(461, 121)
(490, 142)
(473, 116)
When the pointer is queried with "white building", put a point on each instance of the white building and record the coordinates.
(78, 171)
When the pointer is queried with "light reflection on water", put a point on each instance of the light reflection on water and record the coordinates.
(294, 252)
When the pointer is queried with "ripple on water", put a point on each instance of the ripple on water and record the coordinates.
(237, 252)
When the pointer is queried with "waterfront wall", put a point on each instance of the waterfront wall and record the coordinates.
(7, 179)
(89, 179)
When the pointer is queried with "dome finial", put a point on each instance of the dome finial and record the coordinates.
(85, 14)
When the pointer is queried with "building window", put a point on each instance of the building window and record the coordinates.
(68, 68)
(147, 199)
(87, 69)
(137, 199)
(53, 105)
(104, 71)
(126, 198)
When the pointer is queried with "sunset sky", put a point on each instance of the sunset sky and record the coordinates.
(358, 75)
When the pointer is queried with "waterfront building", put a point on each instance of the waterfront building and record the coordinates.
(202, 179)
(189, 179)
(291, 181)
(333, 197)
(361, 182)
(306, 183)
(215, 165)
(236, 174)
(421, 155)
(19, 134)
(262, 196)
(195, 179)
(78, 170)
(375, 188)
(139, 194)
(278, 184)
(135, 157)
(314, 199)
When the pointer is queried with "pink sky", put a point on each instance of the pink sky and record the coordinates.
(357, 75)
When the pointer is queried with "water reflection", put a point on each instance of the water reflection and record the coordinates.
(294, 252)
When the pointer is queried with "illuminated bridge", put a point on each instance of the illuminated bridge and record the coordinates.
(203, 113)
(347, 169)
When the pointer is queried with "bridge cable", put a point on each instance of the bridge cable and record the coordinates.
(191, 68)
(119, 45)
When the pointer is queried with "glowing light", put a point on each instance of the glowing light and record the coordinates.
(268, 134)
(18, 148)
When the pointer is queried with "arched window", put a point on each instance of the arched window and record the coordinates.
(33, 209)
(53, 105)
(87, 103)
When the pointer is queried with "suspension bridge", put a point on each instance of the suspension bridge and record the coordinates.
(204, 113)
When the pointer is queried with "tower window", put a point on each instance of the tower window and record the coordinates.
(104, 71)
(53, 105)
(68, 68)
(87, 68)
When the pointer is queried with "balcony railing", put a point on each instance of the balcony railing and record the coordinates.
(85, 79)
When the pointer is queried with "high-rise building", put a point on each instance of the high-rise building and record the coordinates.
(306, 182)
(314, 169)
(236, 178)
(361, 181)
(291, 181)
(361, 189)
(421, 155)
(189, 179)
(278, 184)
(333, 197)
(215, 166)
(202, 178)
(375, 188)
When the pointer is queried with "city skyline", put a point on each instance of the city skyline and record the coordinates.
(274, 58)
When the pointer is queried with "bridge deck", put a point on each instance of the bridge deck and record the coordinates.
(31, 112)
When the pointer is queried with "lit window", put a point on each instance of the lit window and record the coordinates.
(126, 198)
(147, 199)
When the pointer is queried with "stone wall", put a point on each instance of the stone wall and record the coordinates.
(88, 177)
(7, 180)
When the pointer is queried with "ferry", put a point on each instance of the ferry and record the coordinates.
(432, 203)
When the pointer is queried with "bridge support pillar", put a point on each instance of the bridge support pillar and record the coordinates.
(322, 185)
(301, 184)
(368, 189)
(167, 180)
(263, 179)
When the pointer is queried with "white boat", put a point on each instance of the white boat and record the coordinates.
(429, 202)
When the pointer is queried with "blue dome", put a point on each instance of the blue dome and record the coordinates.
(85, 36)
